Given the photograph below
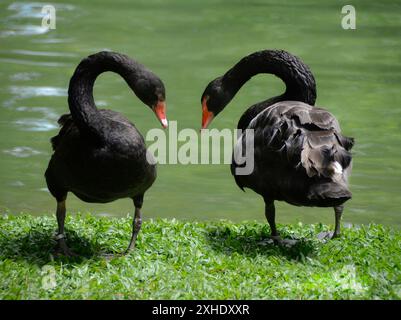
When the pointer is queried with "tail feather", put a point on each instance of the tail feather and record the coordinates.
(346, 142)
(64, 121)
(329, 194)
(324, 156)
(343, 157)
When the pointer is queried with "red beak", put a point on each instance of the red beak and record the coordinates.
(207, 116)
(160, 111)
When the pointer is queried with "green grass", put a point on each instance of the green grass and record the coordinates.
(195, 260)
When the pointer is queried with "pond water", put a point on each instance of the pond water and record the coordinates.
(187, 44)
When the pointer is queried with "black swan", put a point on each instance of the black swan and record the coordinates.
(300, 156)
(99, 155)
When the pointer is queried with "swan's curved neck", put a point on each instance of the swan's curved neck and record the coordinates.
(80, 92)
(299, 81)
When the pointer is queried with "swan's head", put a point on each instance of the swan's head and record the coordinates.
(214, 99)
(150, 89)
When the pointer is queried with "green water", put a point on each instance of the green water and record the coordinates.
(187, 44)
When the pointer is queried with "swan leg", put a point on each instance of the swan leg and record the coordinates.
(60, 237)
(338, 211)
(137, 222)
(270, 213)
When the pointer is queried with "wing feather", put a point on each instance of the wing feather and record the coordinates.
(302, 134)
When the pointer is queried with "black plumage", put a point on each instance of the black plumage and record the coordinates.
(300, 155)
(99, 155)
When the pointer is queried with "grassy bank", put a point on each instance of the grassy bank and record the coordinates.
(196, 260)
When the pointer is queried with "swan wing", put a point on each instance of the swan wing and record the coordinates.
(303, 137)
(70, 129)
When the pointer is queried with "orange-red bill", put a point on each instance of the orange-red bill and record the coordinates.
(160, 111)
(207, 116)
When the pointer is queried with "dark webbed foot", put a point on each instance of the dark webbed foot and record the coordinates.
(284, 242)
(325, 235)
(109, 256)
(62, 247)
